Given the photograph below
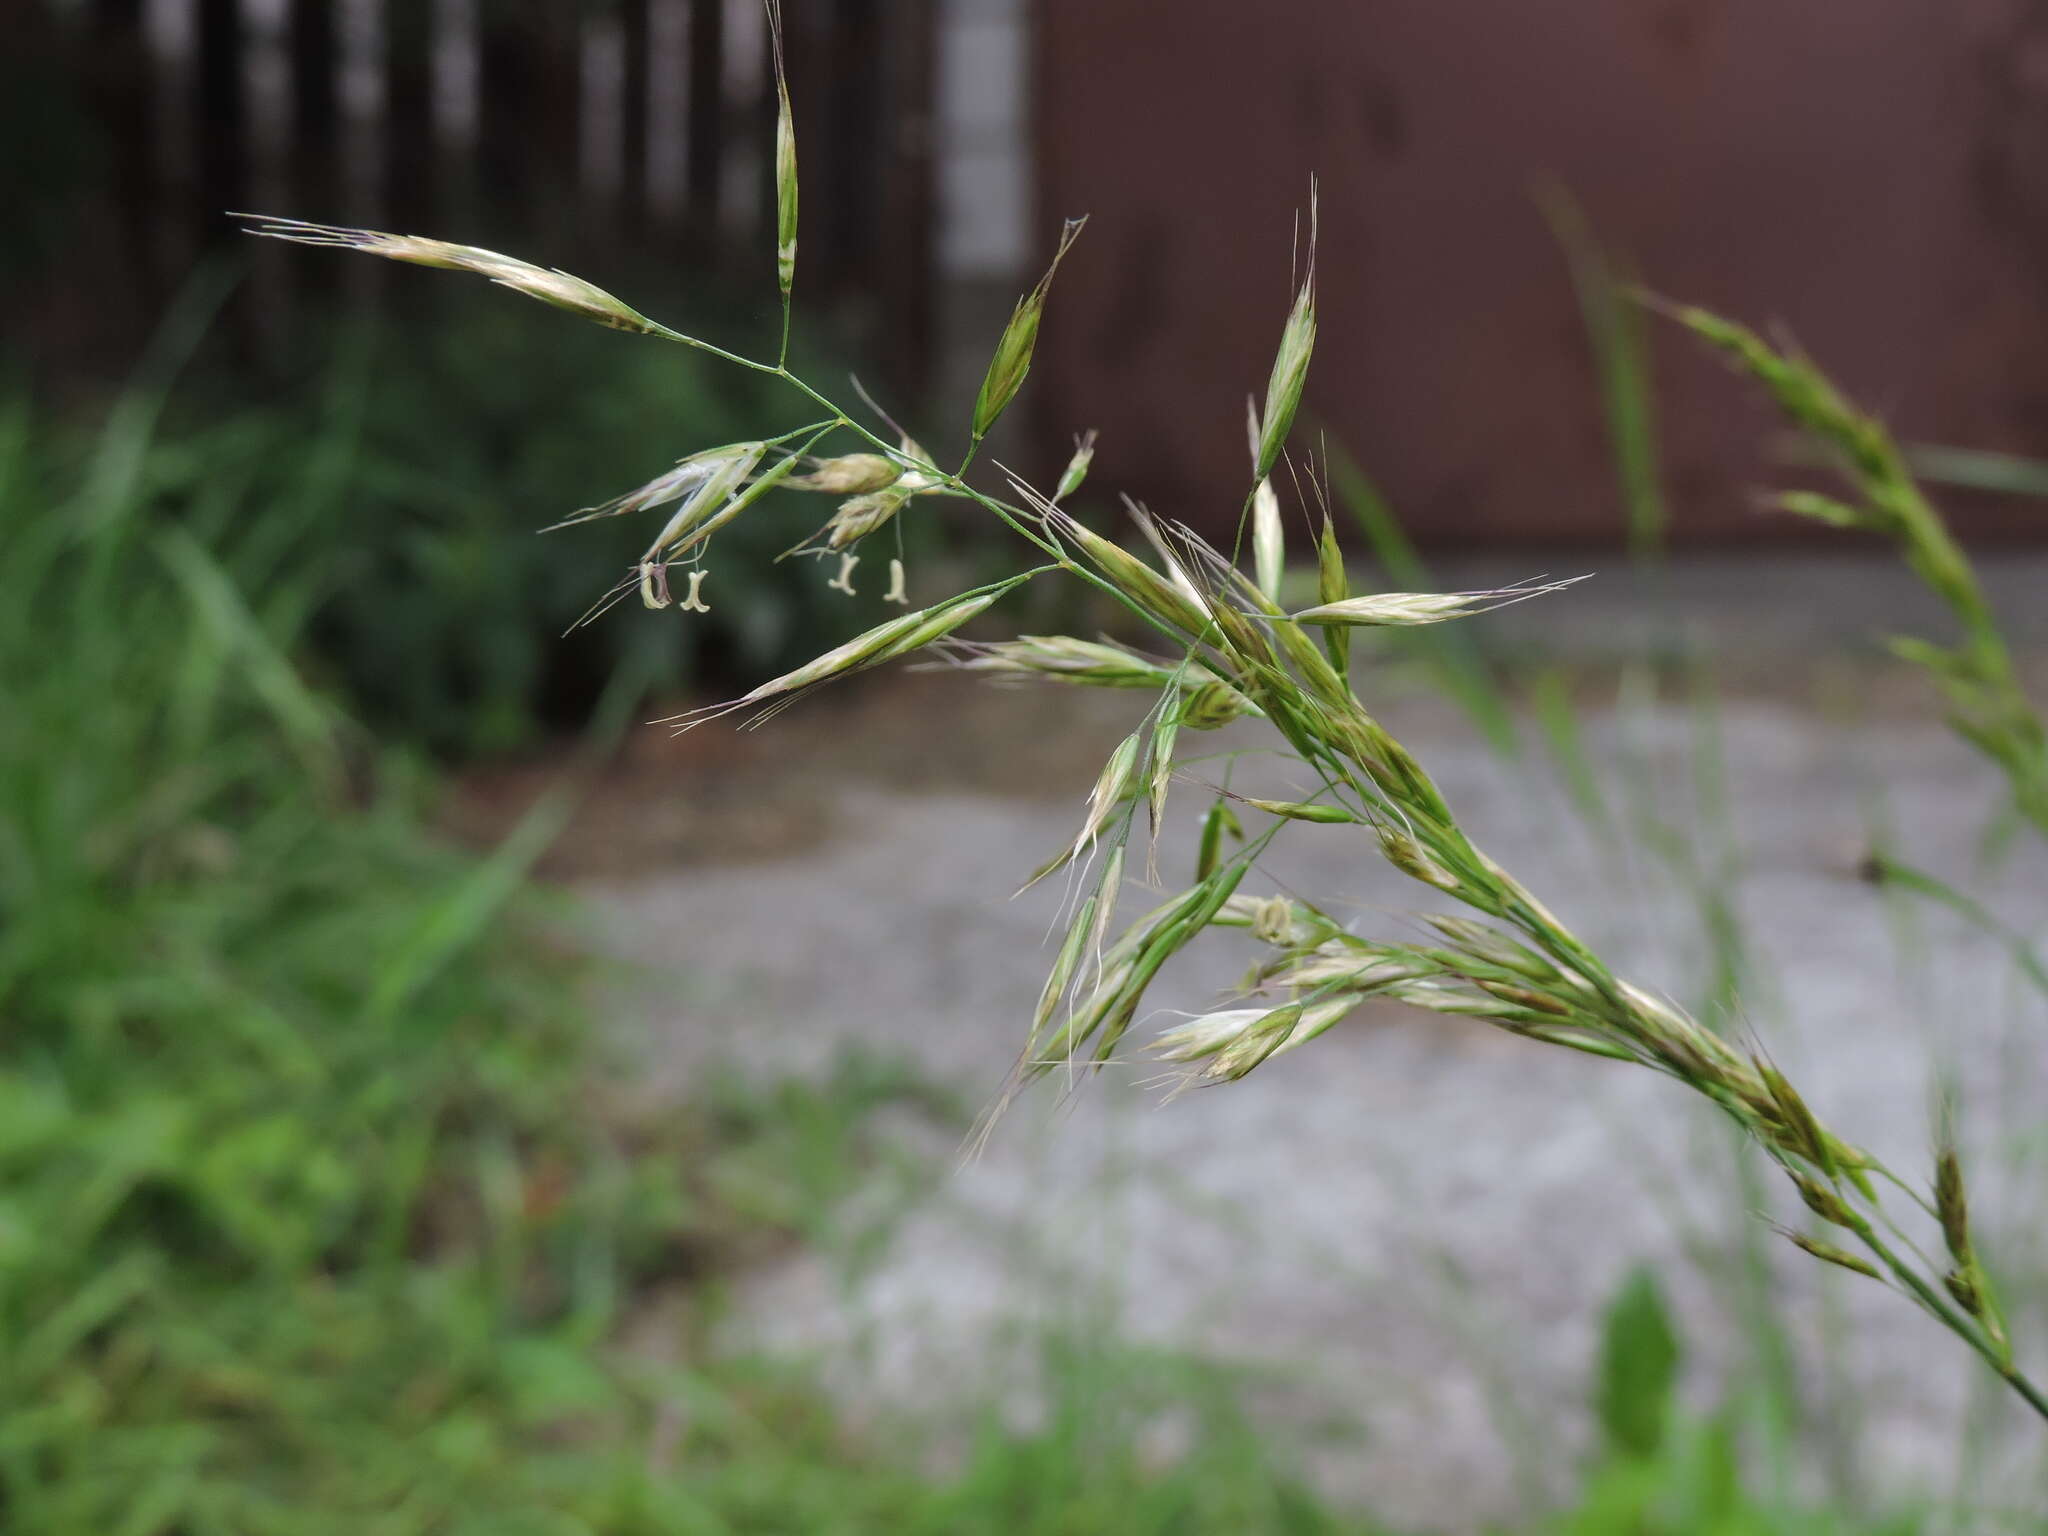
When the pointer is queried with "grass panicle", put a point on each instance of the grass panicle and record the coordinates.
(1508, 960)
(1988, 706)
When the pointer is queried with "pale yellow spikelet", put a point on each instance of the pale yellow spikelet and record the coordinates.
(564, 290)
(849, 474)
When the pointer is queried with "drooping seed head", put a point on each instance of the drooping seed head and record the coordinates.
(561, 289)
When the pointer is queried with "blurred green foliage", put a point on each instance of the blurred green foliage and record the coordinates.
(1639, 1357)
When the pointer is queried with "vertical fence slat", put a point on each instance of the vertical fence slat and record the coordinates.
(313, 173)
(411, 156)
(703, 128)
(118, 90)
(462, 117)
(636, 50)
(221, 115)
(527, 114)
(904, 273)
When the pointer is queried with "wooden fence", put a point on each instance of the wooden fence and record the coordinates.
(598, 135)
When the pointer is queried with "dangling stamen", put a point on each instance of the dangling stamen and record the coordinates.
(843, 582)
(896, 594)
(692, 601)
(654, 584)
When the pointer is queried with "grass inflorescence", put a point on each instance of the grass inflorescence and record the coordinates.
(1988, 707)
(1230, 647)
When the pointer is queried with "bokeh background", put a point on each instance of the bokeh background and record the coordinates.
(433, 1101)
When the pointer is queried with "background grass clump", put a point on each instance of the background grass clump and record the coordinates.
(290, 1215)
(312, 1215)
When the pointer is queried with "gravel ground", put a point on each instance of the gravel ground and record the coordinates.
(1414, 1224)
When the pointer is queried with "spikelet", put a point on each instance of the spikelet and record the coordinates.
(1012, 360)
(550, 286)
(1400, 609)
(1290, 363)
(1077, 466)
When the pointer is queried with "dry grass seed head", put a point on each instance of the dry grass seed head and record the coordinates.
(561, 289)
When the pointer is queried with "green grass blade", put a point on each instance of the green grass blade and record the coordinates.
(468, 908)
(221, 612)
(2025, 957)
(1621, 358)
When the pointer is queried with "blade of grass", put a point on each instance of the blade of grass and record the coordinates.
(468, 907)
(1621, 359)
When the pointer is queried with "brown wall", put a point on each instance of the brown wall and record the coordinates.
(1873, 174)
